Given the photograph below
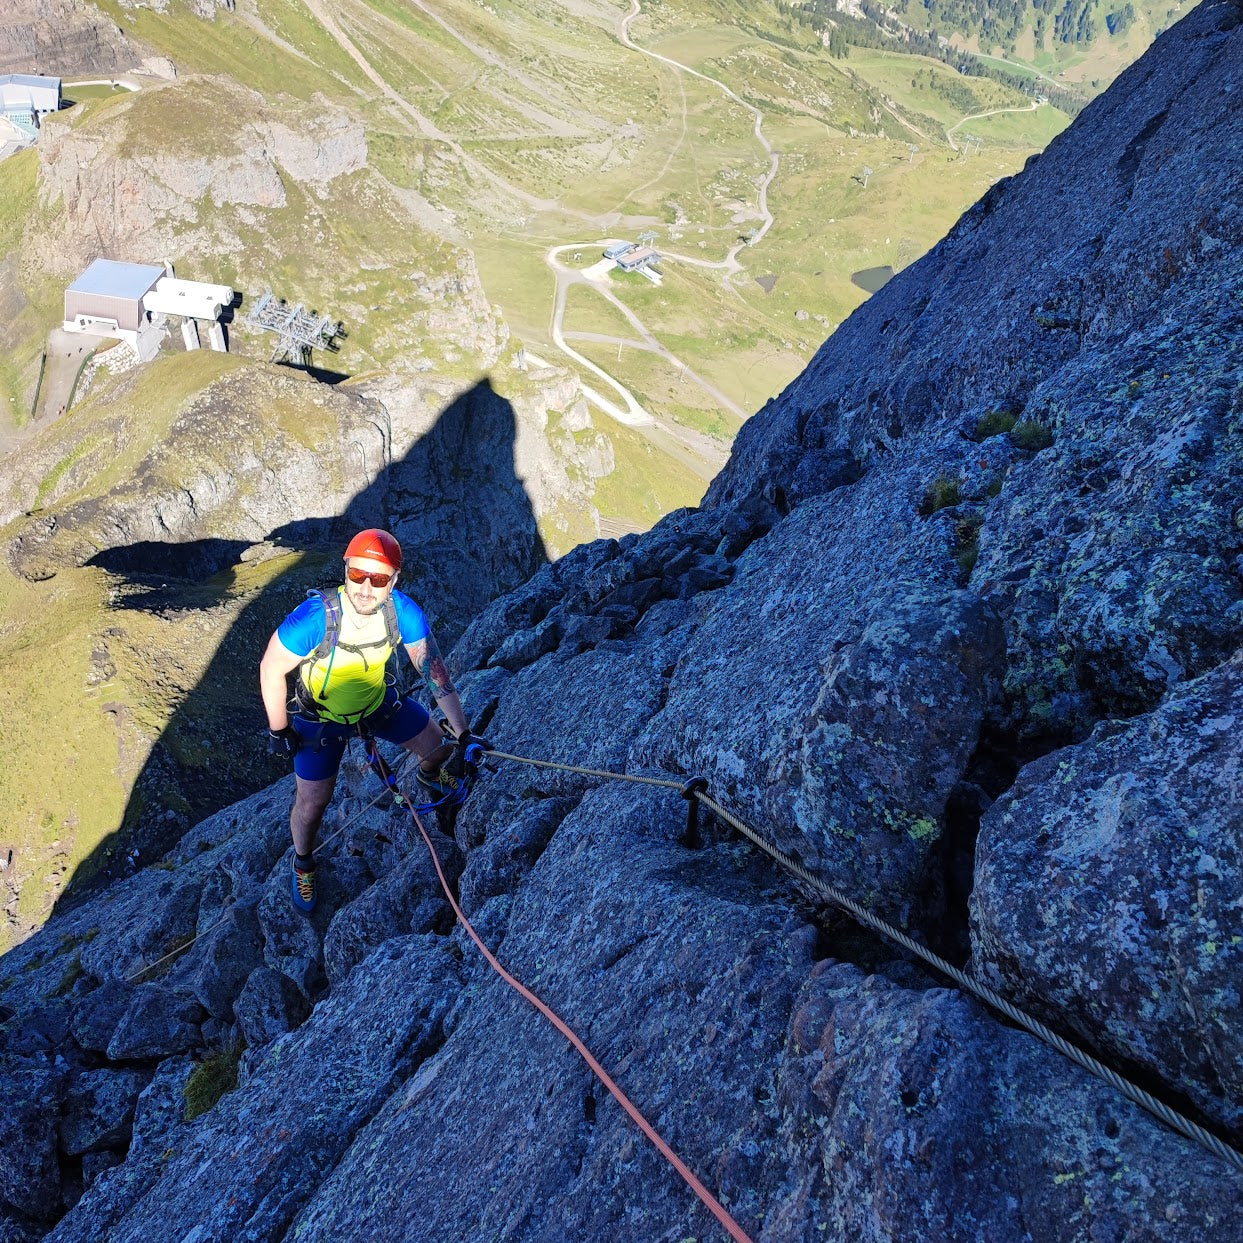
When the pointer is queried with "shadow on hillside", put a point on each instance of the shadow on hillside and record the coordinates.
(468, 534)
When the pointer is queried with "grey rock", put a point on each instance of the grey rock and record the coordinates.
(161, 1108)
(41, 1028)
(637, 594)
(898, 1107)
(498, 865)
(29, 1173)
(580, 633)
(527, 646)
(225, 956)
(159, 1021)
(95, 1015)
(96, 1163)
(347, 1058)
(159, 1119)
(408, 899)
(99, 1109)
(642, 981)
(1107, 881)
(708, 575)
(518, 610)
(872, 695)
(292, 942)
(15, 1228)
(269, 1005)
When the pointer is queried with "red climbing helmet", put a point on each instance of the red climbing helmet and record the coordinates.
(376, 545)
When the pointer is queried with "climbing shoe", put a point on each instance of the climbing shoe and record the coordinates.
(303, 886)
(439, 783)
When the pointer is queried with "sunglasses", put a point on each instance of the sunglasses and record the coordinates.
(362, 576)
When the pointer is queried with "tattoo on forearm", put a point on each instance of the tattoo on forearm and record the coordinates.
(432, 669)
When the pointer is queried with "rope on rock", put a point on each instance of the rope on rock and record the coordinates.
(718, 1210)
(1172, 1118)
(198, 936)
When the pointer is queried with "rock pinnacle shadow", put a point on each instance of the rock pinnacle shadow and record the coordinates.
(468, 532)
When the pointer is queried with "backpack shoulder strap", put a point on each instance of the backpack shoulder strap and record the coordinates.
(391, 624)
(332, 621)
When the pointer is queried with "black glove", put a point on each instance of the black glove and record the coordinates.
(284, 741)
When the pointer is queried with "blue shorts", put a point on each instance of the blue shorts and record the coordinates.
(323, 742)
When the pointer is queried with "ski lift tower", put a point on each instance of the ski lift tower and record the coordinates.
(647, 237)
(298, 330)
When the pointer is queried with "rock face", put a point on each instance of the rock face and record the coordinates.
(61, 38)
(895, 625)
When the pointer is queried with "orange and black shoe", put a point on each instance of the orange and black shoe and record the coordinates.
(303, 885)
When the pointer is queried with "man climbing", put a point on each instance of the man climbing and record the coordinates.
(340, 641)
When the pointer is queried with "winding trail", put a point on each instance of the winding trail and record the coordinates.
(730, 262)
(949, 133)
(698, 451)
(635, 414)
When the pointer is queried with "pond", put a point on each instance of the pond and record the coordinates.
(872, 279)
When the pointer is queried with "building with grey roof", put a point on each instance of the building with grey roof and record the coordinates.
(26, 98)
(132, 301)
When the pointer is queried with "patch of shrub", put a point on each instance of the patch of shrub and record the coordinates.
(995, 422)
(944, 491)
(73, 973)
(211, 1079)
(1031, 435)
(968, 551)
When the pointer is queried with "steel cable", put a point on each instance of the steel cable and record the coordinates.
(1139, 1096)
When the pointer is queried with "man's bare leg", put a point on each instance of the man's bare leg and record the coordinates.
(310, 803)
(430, 746)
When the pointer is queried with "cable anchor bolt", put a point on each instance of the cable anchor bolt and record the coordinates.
(692, 839)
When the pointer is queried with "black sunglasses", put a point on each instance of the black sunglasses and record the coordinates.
(362, 576)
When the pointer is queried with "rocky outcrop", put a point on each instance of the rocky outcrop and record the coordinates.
(62, 38)
(156, 181)
(847, 642)
(1106, 880)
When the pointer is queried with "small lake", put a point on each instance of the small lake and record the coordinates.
(872, 279)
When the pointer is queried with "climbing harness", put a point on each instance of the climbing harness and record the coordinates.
(463, 770)
(314, 706)
(694, 790)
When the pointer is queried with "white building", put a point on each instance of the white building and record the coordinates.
(122, 300)
(25, 99)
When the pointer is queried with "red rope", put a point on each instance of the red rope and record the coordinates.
(736, 1232)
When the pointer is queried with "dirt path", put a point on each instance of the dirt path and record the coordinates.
(949, 133)
(427, 127)
(730, 262)
(683, 443)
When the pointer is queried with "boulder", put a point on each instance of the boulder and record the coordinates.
(292, 941)
(268, 1151)
(893, 1107)
(1107, 886)
(225, 956)
(158, 1021)
(269, 1005)
(498, 865)
(96, 1014)
(29, 1171)
(408, 899)
(99, 1109)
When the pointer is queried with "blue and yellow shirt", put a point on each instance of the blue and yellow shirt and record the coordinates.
(348, 682)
